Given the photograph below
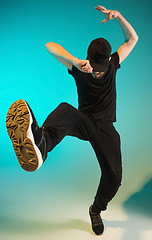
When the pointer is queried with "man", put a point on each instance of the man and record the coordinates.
(93, 122)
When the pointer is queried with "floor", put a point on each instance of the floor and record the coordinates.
(72, 222)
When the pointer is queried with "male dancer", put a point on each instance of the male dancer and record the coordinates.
(95, 80)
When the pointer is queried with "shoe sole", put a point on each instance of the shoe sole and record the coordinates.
(18, 123)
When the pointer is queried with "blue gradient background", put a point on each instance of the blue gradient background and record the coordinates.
(71, 173)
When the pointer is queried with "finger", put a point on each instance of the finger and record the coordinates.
(105, 20)
(84, 67)
(84, 64)
(101, 7)
(103, 11)
(88, 68)
(110, 15)
(97, 8)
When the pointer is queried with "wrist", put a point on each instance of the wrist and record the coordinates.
(118, 15)
(75, 61)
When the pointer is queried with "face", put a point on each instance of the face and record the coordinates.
(97, 74)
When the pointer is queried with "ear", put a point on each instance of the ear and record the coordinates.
(109, 58)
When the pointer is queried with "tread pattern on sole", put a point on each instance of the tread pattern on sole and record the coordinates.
(17, 123)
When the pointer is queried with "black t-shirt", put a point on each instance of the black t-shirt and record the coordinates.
(97, 97)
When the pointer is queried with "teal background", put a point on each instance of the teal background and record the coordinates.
(71, 173)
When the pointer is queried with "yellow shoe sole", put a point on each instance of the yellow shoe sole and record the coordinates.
(18, 123)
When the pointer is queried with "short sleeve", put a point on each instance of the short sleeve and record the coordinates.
(115, 60)
(69, 71)
(73, 71)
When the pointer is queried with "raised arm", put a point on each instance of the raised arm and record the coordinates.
(64, 57)
(131, 37)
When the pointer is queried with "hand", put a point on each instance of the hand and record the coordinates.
(110, 14)
(84, 66)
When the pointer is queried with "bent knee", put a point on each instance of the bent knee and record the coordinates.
(64, 105)
(117, 177)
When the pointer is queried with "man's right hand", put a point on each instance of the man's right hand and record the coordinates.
(64, 57)
(83, 65)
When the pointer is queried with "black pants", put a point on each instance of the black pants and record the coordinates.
(66, 120)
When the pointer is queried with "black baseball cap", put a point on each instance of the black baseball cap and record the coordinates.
(98, 54)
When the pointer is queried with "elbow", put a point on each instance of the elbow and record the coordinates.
(50, 44)
(136, 38)
(47, 45)
(51, 47)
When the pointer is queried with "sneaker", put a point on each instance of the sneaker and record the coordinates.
(97, 224)
(27, 138)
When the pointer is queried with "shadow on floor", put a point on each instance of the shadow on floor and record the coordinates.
(138, 208)
(21, 226)
(140, 202)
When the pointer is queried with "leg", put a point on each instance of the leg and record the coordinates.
(107, 149)
(32, 143)
(67, 120)
(109, 157)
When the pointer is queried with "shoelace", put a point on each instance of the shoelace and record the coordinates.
(43, 143)
(96, 219)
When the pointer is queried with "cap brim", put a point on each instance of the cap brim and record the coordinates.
(102, 67)
(98, 67)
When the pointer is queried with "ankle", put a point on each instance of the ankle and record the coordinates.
(94, 209)
(47, 138)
